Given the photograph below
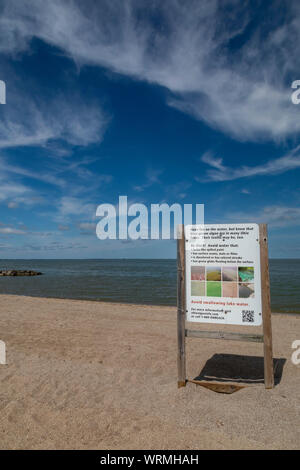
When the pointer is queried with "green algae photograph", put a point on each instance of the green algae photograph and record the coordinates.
(213, 289)
(246, 274)
(213, 274)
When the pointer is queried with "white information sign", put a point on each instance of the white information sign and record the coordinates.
(223, 281)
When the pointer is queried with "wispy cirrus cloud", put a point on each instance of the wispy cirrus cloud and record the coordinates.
(87, 227)
(71, 177)
(71, 208)
(12, 190)
(25, 122)
(63, 228)
(274, 215)
(8, 230)
(152, 177)
(217, 69)
(56, 171)
(221, 172)
(8, 169)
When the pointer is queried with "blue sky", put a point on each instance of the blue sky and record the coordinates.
(170, 101)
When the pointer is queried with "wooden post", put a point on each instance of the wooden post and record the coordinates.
(181, 306)
(266, 307)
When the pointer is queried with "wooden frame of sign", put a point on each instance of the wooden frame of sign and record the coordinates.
(182, 332)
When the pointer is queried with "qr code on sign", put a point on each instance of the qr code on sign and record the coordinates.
(248, 316)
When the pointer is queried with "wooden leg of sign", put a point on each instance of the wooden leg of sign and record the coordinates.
(266, 307)
(181, 306)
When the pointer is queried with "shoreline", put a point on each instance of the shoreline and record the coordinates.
(118, 303)
(98, 375)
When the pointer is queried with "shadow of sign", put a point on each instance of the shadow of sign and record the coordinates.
(238, 369)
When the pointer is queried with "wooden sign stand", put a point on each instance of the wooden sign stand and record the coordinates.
(182, 332)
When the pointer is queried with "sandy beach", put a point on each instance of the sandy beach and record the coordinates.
(92, 375)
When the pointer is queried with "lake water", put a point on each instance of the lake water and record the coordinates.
(131, 281)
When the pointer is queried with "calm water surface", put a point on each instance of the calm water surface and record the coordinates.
(132, 281)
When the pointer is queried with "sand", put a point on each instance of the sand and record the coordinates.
(91, 375)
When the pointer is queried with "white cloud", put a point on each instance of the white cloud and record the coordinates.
(220, 172)
(275, 216)
(72, 206)
(152, 177)
(242, 90)
(63, 228)
(11, 231)
(87, 226)
(26, 122)
(12, 190)
(12, 205)
(70, 176)
(49, 177)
